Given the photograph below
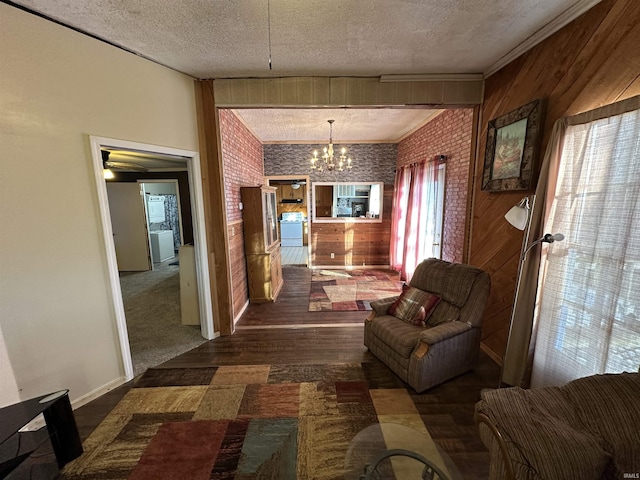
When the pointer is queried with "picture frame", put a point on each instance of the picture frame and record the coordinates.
(511, 149)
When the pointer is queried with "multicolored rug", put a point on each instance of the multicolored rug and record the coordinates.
(257, 421)
(333, 290)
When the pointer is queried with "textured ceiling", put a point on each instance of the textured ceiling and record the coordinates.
(230, 38)
(353, 125)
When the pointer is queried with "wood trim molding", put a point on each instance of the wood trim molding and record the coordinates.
(549, 29)
(307, 92)
(215, 214)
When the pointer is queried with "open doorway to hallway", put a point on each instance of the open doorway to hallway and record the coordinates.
(146, 216)
(156, 305)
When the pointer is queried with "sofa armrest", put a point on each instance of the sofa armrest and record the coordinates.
(441, 332)
(381, 306)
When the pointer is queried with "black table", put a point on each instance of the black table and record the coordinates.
(16, 445)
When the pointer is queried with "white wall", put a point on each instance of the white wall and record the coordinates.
(8, 384)
(160, 188)
(56, 88)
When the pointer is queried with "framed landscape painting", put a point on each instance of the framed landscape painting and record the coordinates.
(512, 144)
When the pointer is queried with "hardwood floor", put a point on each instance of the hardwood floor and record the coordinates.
(272, 334)
(292, 306)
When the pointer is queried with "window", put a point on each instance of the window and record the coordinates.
(589, 298)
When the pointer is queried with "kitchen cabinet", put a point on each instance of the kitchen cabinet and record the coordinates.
(287, 192)
(261, 243)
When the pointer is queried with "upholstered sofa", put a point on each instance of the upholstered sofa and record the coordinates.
(425, 356)
(586, 429)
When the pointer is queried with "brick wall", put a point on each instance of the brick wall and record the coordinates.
(448, 134)
(375, 162)
(242, 158)
(243, 167)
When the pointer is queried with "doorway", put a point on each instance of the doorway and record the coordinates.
(292, 197)
(199, 250)
(163, 214)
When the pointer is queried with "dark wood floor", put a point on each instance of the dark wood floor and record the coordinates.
(447, 410)
(292, 305)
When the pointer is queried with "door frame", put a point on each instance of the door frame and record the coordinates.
(306, 178)
(199, 235)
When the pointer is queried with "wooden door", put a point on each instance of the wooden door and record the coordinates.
(128, 222)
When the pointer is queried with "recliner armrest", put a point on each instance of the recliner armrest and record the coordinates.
(381, 306)
(443, 331)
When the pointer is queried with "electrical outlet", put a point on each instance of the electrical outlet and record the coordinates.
(333, 255)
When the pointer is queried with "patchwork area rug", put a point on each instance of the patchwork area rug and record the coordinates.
(333, 290)
(260, 421)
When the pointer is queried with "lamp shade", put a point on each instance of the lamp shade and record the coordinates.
(518, 217)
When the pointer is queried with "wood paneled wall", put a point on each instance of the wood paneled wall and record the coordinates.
(239, 285)
(593, 61)
(354, 244)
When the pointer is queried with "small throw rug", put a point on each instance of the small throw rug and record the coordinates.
(297, 422)
(333, 290)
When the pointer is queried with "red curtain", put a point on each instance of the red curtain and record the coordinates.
(408, 221)
(399, 217)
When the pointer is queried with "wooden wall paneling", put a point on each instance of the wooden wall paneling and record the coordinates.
(471, 184)
(340, 91)
(214, 207)
(593, 61)
(620, 55)
(633, 89)
(238, 266)
(354, 244)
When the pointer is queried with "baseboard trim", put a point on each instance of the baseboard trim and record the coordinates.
(242, 310)
(493, 355)
(39, 422)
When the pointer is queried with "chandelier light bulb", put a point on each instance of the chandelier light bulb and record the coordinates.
(329, 162)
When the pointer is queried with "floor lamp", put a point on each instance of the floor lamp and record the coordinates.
(519, 216)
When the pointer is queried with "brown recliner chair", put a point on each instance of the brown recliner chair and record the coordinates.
(448, 346)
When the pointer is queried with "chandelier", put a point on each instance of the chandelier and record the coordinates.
(327, 162)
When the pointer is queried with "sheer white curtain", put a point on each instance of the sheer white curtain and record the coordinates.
(431, 218)
(588, 312)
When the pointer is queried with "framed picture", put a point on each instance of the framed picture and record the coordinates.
(512, 144)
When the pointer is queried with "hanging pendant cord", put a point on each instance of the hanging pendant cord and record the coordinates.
(269, 21)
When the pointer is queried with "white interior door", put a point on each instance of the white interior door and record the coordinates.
(129, 225)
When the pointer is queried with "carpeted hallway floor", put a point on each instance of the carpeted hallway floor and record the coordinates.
(152, 308)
